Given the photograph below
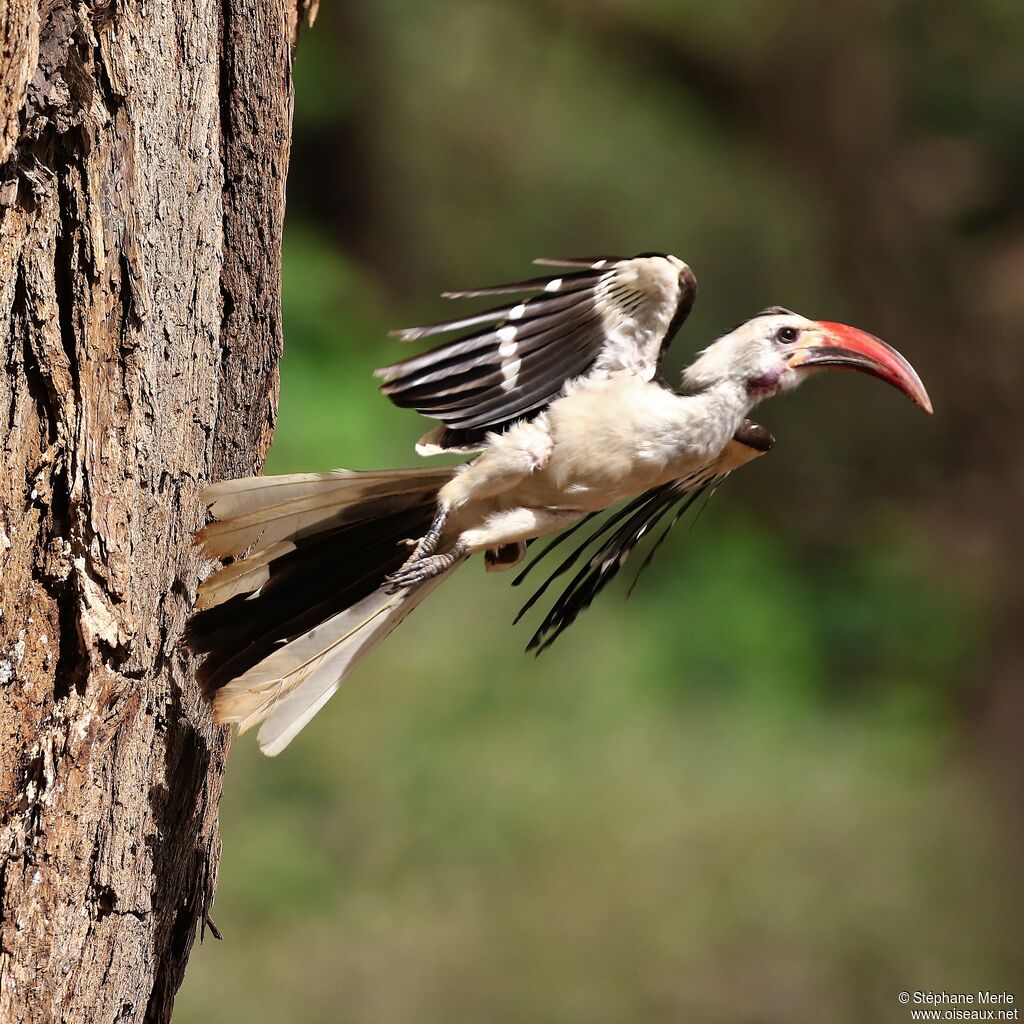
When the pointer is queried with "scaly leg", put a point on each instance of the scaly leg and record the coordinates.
(427, 544)
(521, 450)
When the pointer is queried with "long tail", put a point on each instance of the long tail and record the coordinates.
(285, 622)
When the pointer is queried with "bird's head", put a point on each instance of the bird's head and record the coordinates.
(776, 350)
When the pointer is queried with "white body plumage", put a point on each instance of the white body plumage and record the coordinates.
(606, 440)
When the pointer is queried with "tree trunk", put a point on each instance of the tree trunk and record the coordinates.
(143, 153)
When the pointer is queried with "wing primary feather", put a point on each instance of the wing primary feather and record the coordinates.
(603, 528)
(568, 282)
(564, 364)
(602, 567)
(571, 559)
(558, 540)
(448, 404)
(514, 403)
(546, 323)
(491, 390)
(418, 372)
(495, 375)
(641, 516)
(428, 395)
(680, 512)
(714, 483)
(485, 316)
(592, 262)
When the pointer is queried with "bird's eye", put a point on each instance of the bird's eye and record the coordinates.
(787, 335)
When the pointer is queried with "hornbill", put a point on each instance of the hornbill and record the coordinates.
(557, 392)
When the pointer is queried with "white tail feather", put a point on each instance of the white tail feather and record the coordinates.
(269, 517)
(272, 509)
(287, 688)
(229, 498)
(241, 577)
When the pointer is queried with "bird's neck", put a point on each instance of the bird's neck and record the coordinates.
(707, 420)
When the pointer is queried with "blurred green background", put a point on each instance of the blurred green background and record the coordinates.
(784, 781)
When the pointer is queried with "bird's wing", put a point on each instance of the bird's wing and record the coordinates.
(606, 548)
(513, 360)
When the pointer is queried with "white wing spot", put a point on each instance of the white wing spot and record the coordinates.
(516, 312)
(598, 265)
(506, 333)
(553, 285)
(507, 348)
(510, 371)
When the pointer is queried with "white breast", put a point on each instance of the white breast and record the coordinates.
(617, 437)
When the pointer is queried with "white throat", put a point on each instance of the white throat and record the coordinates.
(708, 419)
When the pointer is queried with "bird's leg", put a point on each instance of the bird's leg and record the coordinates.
(505, 529)
(515, 454)
(427, 544)
(518, 452)
(415, 572)
(508, 528)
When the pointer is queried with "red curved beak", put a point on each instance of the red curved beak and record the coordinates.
(847, 348)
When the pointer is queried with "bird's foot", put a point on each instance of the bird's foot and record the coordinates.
(427, 544)
(419, 571)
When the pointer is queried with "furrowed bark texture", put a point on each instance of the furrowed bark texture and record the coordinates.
(143, 153)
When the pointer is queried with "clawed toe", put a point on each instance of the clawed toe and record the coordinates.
(427, 544)
(419, 570)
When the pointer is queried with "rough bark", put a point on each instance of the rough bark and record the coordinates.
(143, 152)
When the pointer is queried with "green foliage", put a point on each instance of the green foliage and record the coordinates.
(330, 412)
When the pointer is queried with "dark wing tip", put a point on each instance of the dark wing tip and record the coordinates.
(688, 284)
(687, 297)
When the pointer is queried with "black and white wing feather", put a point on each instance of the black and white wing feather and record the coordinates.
(606, 548)
(609, 315)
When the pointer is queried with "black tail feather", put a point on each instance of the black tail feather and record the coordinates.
(325, 574)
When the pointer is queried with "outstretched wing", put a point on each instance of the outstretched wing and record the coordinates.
(611, 314)
(605, 550)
